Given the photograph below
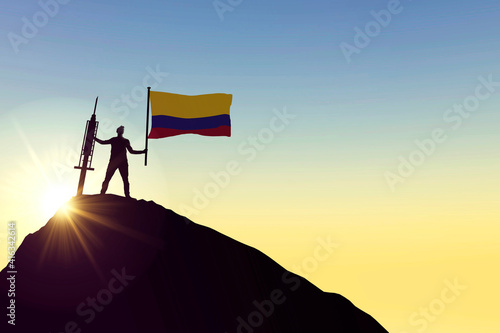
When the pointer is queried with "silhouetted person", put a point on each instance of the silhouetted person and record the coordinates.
(118, 159)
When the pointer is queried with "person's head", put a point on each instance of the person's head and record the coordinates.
(120, 130)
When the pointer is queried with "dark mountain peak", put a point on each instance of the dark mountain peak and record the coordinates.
(107, 263)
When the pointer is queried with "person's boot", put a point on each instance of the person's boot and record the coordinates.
(126, 188)
(104, 188)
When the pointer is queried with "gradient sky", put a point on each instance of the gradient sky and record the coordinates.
(322, 177)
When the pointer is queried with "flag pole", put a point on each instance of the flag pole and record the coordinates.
(147, 128)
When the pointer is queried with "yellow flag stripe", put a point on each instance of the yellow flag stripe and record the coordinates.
(183, 106)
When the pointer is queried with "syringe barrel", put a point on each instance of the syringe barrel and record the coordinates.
(89, 136)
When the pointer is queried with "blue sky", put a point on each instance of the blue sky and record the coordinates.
(260, 50)
(268, 55)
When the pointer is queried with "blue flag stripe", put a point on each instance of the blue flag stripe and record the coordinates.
(162, 121)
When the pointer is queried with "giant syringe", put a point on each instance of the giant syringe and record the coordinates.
(85, 162)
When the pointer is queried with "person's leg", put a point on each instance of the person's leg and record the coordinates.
(109, 173)
(124, 173)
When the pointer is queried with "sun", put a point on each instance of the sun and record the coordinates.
(55, 198)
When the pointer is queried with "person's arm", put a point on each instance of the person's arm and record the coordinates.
(102, 142)
(130, 150)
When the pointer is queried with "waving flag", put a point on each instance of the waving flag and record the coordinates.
(174, 114)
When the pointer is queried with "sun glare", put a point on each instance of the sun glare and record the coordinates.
(55, 198)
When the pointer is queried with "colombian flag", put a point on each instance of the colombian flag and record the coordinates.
(174, 114)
